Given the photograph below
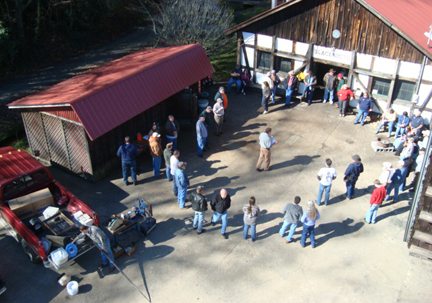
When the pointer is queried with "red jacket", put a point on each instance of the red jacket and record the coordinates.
(378, 195)
(345, 94)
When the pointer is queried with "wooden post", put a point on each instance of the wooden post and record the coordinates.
(420, 76)
(351, 68)
(392, 85)
(273, 52)
(239, 42)
(309, 56)
(255, 56)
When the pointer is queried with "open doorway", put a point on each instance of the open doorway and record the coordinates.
(320, 69)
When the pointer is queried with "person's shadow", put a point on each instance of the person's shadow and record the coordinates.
(327, 231)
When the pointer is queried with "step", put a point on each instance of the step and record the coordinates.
(425, 216)
(420, 252)
(422, 236)
(429, 191)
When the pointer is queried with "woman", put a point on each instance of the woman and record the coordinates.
(266, 94)
(250, 216)
(309, 219)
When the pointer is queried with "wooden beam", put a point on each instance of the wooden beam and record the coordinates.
(309, 55)
(351, 67)
(239, 43)
(393, 84)
(255, 56)
(290, 56)
(420, 76)
(373, 74)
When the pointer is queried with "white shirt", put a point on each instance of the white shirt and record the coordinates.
(327, 174)
(173, 164)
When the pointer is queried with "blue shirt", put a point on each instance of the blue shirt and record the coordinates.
(127, 152)
(365, 104)
(405, 120)
(353, 171)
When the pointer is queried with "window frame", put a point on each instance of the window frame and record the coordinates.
(264, 68)
(378, 95)
(398, 86)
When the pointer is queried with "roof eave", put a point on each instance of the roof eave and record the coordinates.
(38, 106)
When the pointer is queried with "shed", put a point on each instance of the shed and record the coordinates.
(382, 46)
(79, 123)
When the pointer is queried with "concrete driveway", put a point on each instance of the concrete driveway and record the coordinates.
(353, 262)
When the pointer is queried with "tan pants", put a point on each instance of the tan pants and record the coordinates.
(264, 158)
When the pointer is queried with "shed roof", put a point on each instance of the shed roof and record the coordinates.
(410, 19)
(107, 96)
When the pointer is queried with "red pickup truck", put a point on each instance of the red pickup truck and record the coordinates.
(39, 212)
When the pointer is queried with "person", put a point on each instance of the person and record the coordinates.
(172, 129)
(218, 114)
(220, 205)
(266, 94)
(174, 161)
(417, 168)
(199, 205)
(102, 242)
(395, 181)
(221, 94)
(405, 166)
(266, 141)
(127, 152)
(275, 81)
(402, 124)
(364, 107)
(245, 78)
(154, 129)
(325, 176)
(309, 218)
(292, 214)
(167, 153)
(329, 86)
(208, 116)
(202, 135)
(389, 119)
(386, 174)
(156, 153)
(376, 200)
(182, 183)
(340, 81)
(235, 79)
(250, 215)
(417, 123)
(290, 85)
(352, 173)
(310, 82)
(345, 94)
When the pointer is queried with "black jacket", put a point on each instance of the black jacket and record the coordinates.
(199, 202)
(170, 128)
(220, 205)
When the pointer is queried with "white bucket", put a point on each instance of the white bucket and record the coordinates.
(72, 288)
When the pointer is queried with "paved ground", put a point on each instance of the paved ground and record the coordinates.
(353, 262)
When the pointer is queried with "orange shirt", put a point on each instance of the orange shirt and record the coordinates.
(345, 94)
(225, 100)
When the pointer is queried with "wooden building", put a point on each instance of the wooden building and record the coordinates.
(79, 123)
(377, 47)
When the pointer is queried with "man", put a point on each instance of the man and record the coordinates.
(290, 84)
(329, 86)
(167, 153)
(156, 153)
(182, 183)
(325, 176)
(208, 116)
(102, 242)
(402, 124)
(172, 129)
(220, 205)
(127, 152)
(388, 118)
(219, 112)
(395, 182)
(310, 82)
(344, 97)
(202, 135)
(376, 200)
(352, 173)
(340, 81)
(199, 205)
(276, 81)
(364, 107)
(418, 164)
(174, 161)
(266, 141)
(235, 79)
(417, 123)
(292, 214)
(222, 95)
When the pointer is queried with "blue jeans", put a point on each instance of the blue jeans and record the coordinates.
(288, 96)
(181, 196)
(273, 94)
(107, 254)
(157, 161)
(361, 115)
(325, 188)
(224, 216)
(328, 92)
(308, 231)
(400, 131)
(168, 172)
(252, 229)
(201, 142)
(390, 187)
(350, 187)
(292, 227)
(237, 82)
(390, 125)
(198, 220)
(372, 213)
(174, 187)
(172, 140)
(309, 96)
(126, 167)
(404, 172)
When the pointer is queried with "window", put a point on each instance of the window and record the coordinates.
(264, 60)
(380, 87)
(404, 90)
(283, 64)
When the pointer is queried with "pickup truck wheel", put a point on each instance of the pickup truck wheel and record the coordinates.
(34, 258)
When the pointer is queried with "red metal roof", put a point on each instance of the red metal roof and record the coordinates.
(110, 95)
(411, 17)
